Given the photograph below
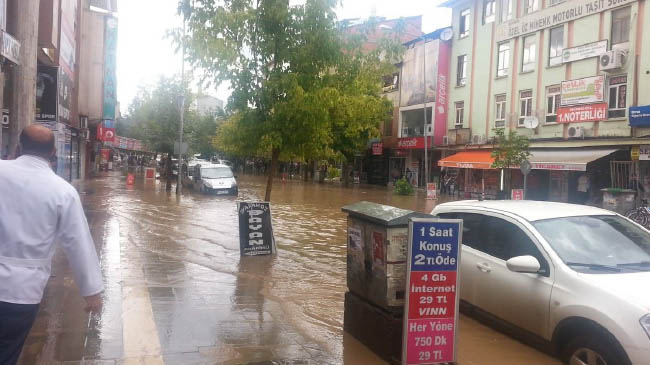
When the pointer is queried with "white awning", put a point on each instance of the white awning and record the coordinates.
(568, 160)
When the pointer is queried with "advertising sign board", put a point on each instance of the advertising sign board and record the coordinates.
(584, 51)
(582, 113)
(588, 90)
(554, 15)
(255, 229)
(46, 93)
(64, 100)
(10, 47)
(442, 75)
(432, 193)
(640, 116)
(377, 149)
(431, 310)
(517, 194)
(644, 152)
(411, 143)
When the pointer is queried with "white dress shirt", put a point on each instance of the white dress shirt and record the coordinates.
(37, 210)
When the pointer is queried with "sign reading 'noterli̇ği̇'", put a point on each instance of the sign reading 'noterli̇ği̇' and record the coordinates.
(431, 310)
(255, 229)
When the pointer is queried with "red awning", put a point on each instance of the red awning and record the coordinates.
(469, 160)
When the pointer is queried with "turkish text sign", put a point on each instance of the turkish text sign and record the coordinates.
(587, 90)
(255, 229)
(431, 311)
(582, 113)
(640, 116)
(584, 51)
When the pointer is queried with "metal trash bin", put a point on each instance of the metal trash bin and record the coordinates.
(377, 242)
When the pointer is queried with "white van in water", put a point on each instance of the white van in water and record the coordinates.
(212, 179)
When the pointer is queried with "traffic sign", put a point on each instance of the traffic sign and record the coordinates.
(525, 167)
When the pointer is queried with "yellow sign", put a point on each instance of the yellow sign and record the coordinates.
(635, 153)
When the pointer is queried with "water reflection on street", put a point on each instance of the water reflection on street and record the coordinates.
(178, 291)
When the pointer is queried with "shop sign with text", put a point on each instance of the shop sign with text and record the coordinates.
(555, 15)
(582, 52)
(255, 229)
(440, 110)
(377, 149)
(588, 90)
(582, 113)
(640, 116)
(644, 152)
(106, 131)
(431, 309)
(412, 143)
(10, 48)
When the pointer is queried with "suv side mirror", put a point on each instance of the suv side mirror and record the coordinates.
(526, 264)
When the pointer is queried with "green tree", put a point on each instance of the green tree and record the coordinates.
(276, 57)
(509, 150)
(200, 130)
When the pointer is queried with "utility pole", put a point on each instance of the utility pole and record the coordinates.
(22, 107)
(180, 127)
(426, 135)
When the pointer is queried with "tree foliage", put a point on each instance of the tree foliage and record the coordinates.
(509, 150)
(298, 90)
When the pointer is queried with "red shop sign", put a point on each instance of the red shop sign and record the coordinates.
(582, 113)
(413, 143)
(377, 149)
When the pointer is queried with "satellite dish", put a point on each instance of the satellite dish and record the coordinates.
(446, 34)
(531, 122)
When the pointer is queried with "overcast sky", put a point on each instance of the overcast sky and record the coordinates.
(144, 53)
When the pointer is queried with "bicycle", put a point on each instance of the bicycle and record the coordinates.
(640, 214)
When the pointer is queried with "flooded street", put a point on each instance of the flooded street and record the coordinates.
(177, 291)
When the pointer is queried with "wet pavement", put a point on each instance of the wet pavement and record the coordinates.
(177, 291)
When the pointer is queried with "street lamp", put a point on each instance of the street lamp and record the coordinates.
(180, 127)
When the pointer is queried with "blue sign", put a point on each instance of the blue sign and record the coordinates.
(435, 245)
(640, 116)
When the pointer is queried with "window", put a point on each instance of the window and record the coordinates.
(556, 46)
(464, 24)
(506, 10)
(617, 96)
(505, 240)
(525, 106)
(620, 26)
(552, 103)
(503, 61)
(471, 227)
(413, 122)
(460, 113)
(500, 117)
(489, 10)
(530, 6)
(461, 71)
(391, 82)
(555, 2)
(529, 54)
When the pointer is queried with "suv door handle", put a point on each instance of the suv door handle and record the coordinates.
(484, 267)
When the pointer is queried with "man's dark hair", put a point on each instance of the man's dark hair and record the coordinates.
(36, 140)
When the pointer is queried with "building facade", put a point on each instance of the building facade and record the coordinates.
(569, 75)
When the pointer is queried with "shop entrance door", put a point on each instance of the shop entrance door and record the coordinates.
(559, 189)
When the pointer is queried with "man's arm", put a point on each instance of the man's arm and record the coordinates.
(74, 236)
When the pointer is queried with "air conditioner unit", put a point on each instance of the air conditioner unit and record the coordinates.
(83, 122)
(429, 130)
(86, 134)
(612, 60)
(405, 132)
(576, 132)
(445, 140)
(478, 139)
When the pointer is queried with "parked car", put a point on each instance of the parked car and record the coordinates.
(574, 277)
(212, 178)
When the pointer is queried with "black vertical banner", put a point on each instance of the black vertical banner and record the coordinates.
(255, 230)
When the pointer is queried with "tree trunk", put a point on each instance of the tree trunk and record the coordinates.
(345, 174)
(22, 104)
(269, 181)
(305, 171)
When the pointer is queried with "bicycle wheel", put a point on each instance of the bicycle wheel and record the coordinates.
(638, 216)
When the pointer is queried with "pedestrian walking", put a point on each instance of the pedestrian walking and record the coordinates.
(38, 209)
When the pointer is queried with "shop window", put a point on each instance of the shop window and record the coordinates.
(460, 113)
(617, 96)
(506, 10)
(525, 106)
(503, 60)
(500, 117)
(556, 46)
(464, 23)
(620, 26)
(529, 54)
(489, 10)
(461, 71)
(552, 103)
(530, 6)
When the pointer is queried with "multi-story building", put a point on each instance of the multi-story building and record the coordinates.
(570, 75)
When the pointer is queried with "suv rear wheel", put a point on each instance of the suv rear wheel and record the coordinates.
(591, 350)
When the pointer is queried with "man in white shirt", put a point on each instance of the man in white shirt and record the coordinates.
(38, 209)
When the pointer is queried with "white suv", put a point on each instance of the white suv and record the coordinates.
(577, 278)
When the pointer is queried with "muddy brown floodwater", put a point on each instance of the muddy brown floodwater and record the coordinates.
(179, 293)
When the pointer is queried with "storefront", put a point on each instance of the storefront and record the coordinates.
(470, 174)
